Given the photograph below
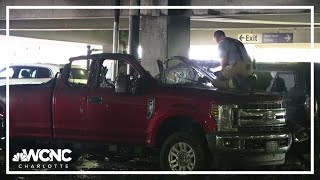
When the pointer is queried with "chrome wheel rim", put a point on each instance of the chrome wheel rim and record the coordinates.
(181, 157)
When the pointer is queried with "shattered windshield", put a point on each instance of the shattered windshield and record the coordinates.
(210, 67)
(182, 71)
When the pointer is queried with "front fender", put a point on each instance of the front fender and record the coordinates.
(182, 110)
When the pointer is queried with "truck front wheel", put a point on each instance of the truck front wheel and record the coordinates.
(182, 151)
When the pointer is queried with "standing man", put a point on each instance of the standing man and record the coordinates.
(235, 62)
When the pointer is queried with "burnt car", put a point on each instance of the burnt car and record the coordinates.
(188, 122)
(292, 81)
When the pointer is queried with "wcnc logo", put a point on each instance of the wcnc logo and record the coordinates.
(44, 156)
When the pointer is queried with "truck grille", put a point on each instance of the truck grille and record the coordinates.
(276, 128)
(261, 106)
(264, 117)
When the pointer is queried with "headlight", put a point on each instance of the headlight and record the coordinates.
(215, 111)
(223, 114)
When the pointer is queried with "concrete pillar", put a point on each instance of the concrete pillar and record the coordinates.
(178, 36)
(154, 36)
(123, 41)
(163, 37)
(164, 33)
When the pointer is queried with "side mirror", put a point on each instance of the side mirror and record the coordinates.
(122, 84)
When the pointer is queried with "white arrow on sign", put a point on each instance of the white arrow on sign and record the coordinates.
(288, 38)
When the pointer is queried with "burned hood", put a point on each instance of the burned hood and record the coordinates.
(243, 95)
(224, 96)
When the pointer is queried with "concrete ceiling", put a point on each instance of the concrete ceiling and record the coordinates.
(197, 22)
(279, 19)
(99, 30)
(99, 23)
(75, 13)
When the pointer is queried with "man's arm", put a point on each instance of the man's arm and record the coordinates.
(223, 49)
(224, 62)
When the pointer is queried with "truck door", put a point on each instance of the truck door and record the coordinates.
(70, 103)
(112, 116)
(31, 107)
(31, 103)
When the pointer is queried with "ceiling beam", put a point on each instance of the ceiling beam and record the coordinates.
(196, 23)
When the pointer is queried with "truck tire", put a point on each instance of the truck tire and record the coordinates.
(182, 151)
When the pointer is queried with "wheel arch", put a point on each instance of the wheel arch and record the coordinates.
(175, 124)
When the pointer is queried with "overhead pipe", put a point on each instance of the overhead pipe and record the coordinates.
(134, 26)
(115, 39)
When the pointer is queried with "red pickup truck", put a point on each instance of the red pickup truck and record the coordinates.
(190, 122)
